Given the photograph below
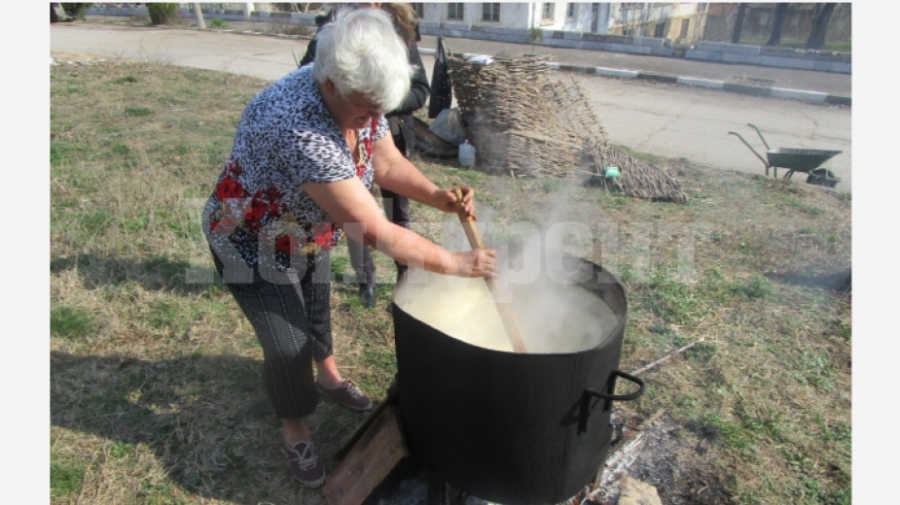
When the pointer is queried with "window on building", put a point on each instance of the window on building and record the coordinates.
(548, 11)
(454, 11)
(685, 26)
(420, 10)
(490, 12)
(660, 31)
(570, 11)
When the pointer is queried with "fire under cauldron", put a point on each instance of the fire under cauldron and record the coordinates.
(510, 427)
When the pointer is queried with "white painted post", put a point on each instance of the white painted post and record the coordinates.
(248, 8)
(198, 13)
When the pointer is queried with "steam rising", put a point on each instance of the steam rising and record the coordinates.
(553, 317)
(554, 313)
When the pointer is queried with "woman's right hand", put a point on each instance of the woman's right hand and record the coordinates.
(476, 263)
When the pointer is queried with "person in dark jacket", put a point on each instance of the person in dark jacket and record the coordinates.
(401, 122)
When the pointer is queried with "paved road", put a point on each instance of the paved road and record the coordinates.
(663, 119)
(836, 84)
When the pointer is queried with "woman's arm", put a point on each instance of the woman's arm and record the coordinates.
(396, 173)
(352, 208)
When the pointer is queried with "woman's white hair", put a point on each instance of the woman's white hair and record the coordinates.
(361, 53)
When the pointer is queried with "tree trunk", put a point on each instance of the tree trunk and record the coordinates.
(780, 13)
(738, 24)
(816, 39)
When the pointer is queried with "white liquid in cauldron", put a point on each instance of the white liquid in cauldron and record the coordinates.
(552, 317)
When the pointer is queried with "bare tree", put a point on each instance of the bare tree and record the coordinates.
(781, 10)
(816, 39)
(738, 24)
(295, 7)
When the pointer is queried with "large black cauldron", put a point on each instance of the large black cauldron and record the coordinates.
(506, 427)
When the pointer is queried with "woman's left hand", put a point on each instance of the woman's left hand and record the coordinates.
(448, 199)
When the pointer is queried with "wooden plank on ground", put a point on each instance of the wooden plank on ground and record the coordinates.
(369, 461)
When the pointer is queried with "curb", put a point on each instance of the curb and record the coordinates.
(697, 82)
(760, 91)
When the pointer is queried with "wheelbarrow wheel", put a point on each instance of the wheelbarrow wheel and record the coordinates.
(822, 177)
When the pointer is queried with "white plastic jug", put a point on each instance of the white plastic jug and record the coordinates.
(466, 154)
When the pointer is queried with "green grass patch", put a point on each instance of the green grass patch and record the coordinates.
(121, 450)
(160, 494)
(380, 364)
(805, 208)
(733, 434)
(341, 270)
(137, 111)
(173, 318)
(95, 221)
(71, 323)
(757, 287)
(66, 479)
(66, 153)
(673, 301)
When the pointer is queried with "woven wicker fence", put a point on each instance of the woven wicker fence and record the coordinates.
(523, 123)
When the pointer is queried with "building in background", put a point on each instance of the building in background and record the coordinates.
(677, 21)
(759, 19)
(681, 23)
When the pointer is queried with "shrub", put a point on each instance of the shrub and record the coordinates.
(161, 13)
(290, 7)
(75, 11)
(218, 23)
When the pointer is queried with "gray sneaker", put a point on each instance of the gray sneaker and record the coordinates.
(305, 464)
(348, 395)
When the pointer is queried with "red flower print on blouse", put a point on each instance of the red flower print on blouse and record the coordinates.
(368, 149)
(271, 193)
(286, 243)
(265, 205)
(258, 209)
(224, 225)
(367, 145)
(233, 168)
(274, 198)
(324, 235)
(229, 188)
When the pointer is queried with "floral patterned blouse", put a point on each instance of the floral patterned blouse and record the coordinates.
(258, 210)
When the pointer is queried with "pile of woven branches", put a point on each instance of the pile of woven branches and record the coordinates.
(523, 123)
(638, 178)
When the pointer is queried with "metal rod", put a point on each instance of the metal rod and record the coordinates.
(666, 357)
(760, 136)
(763, 160)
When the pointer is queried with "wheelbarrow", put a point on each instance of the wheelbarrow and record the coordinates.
(795, 160)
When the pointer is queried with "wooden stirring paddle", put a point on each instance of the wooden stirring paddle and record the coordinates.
(475, 241)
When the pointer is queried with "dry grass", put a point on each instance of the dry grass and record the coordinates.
(155, 374)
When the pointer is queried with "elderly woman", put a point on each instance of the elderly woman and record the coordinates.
(401, 124)
(305, 155)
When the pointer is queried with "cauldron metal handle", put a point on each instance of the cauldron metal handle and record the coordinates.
(586, 396)
(621, 398)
